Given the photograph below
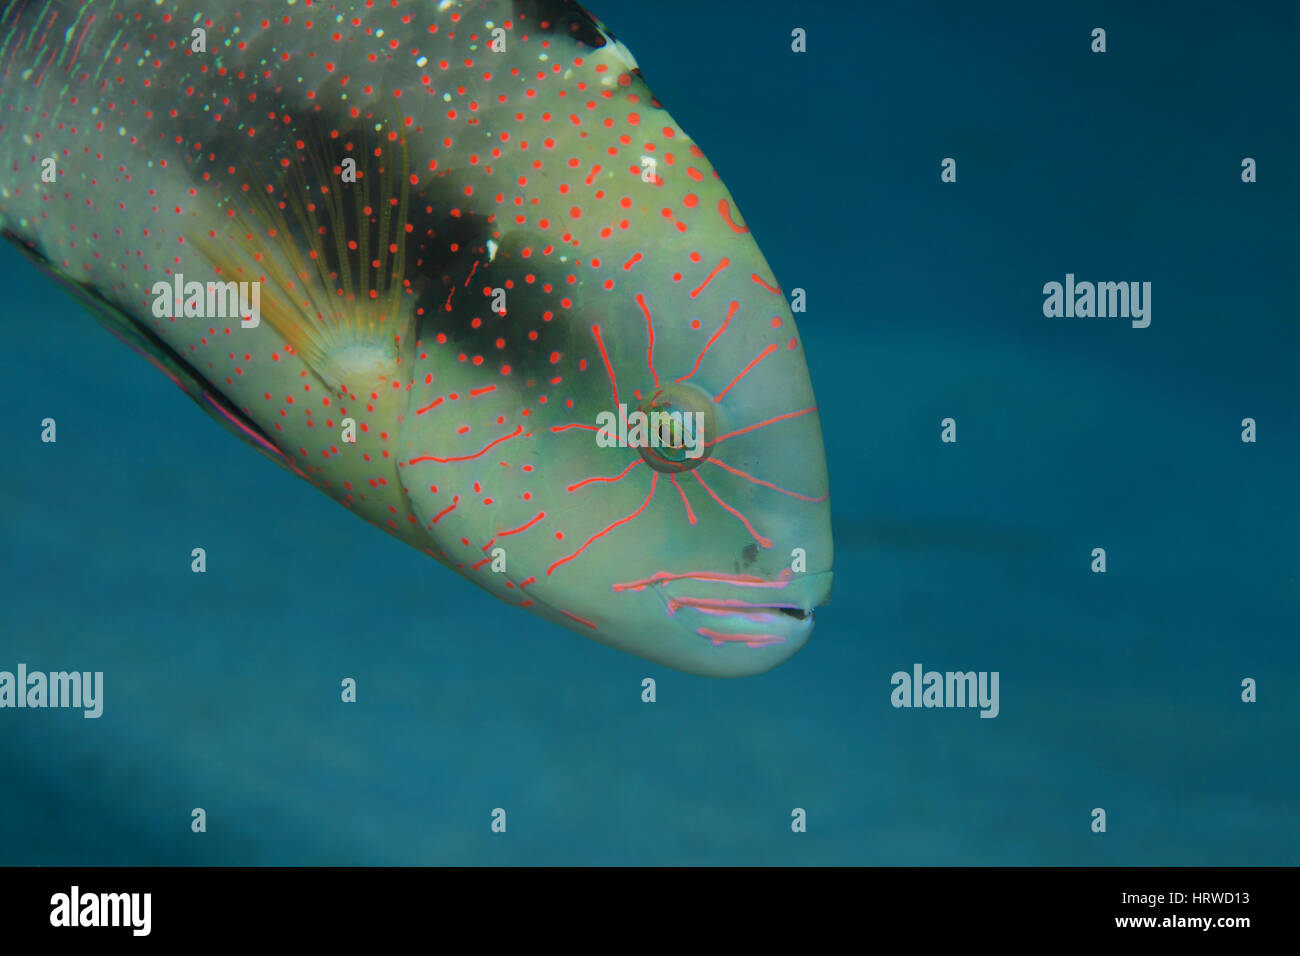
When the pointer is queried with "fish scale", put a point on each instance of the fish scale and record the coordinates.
(543, 175)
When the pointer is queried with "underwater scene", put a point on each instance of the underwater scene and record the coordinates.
(852, 506)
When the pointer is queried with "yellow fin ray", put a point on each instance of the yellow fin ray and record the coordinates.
(330, 254)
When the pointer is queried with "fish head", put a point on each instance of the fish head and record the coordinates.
(512, 314)
(617, 429)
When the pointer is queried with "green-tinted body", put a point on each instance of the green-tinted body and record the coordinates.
(531, 242)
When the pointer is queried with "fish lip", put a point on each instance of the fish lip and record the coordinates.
(753, 625)
(665, 579)
(735, 607)
(732, 609)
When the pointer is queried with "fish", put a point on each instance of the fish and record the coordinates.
(454, 265)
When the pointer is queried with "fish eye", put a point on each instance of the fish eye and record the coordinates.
(680, 426)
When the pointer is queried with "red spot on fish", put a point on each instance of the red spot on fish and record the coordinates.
(580, 620)
(654, 477)
(518, 430)
(724, 210)
(709, 344)
(747, 369)
(722, 264)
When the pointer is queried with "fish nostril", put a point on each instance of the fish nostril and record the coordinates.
(749, 553)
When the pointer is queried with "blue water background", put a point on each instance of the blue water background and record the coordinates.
(1119, 691)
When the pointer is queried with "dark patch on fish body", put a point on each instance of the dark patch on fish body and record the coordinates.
(564, 18)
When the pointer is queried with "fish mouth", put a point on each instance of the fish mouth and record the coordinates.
(740, 622)
(744, 610)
